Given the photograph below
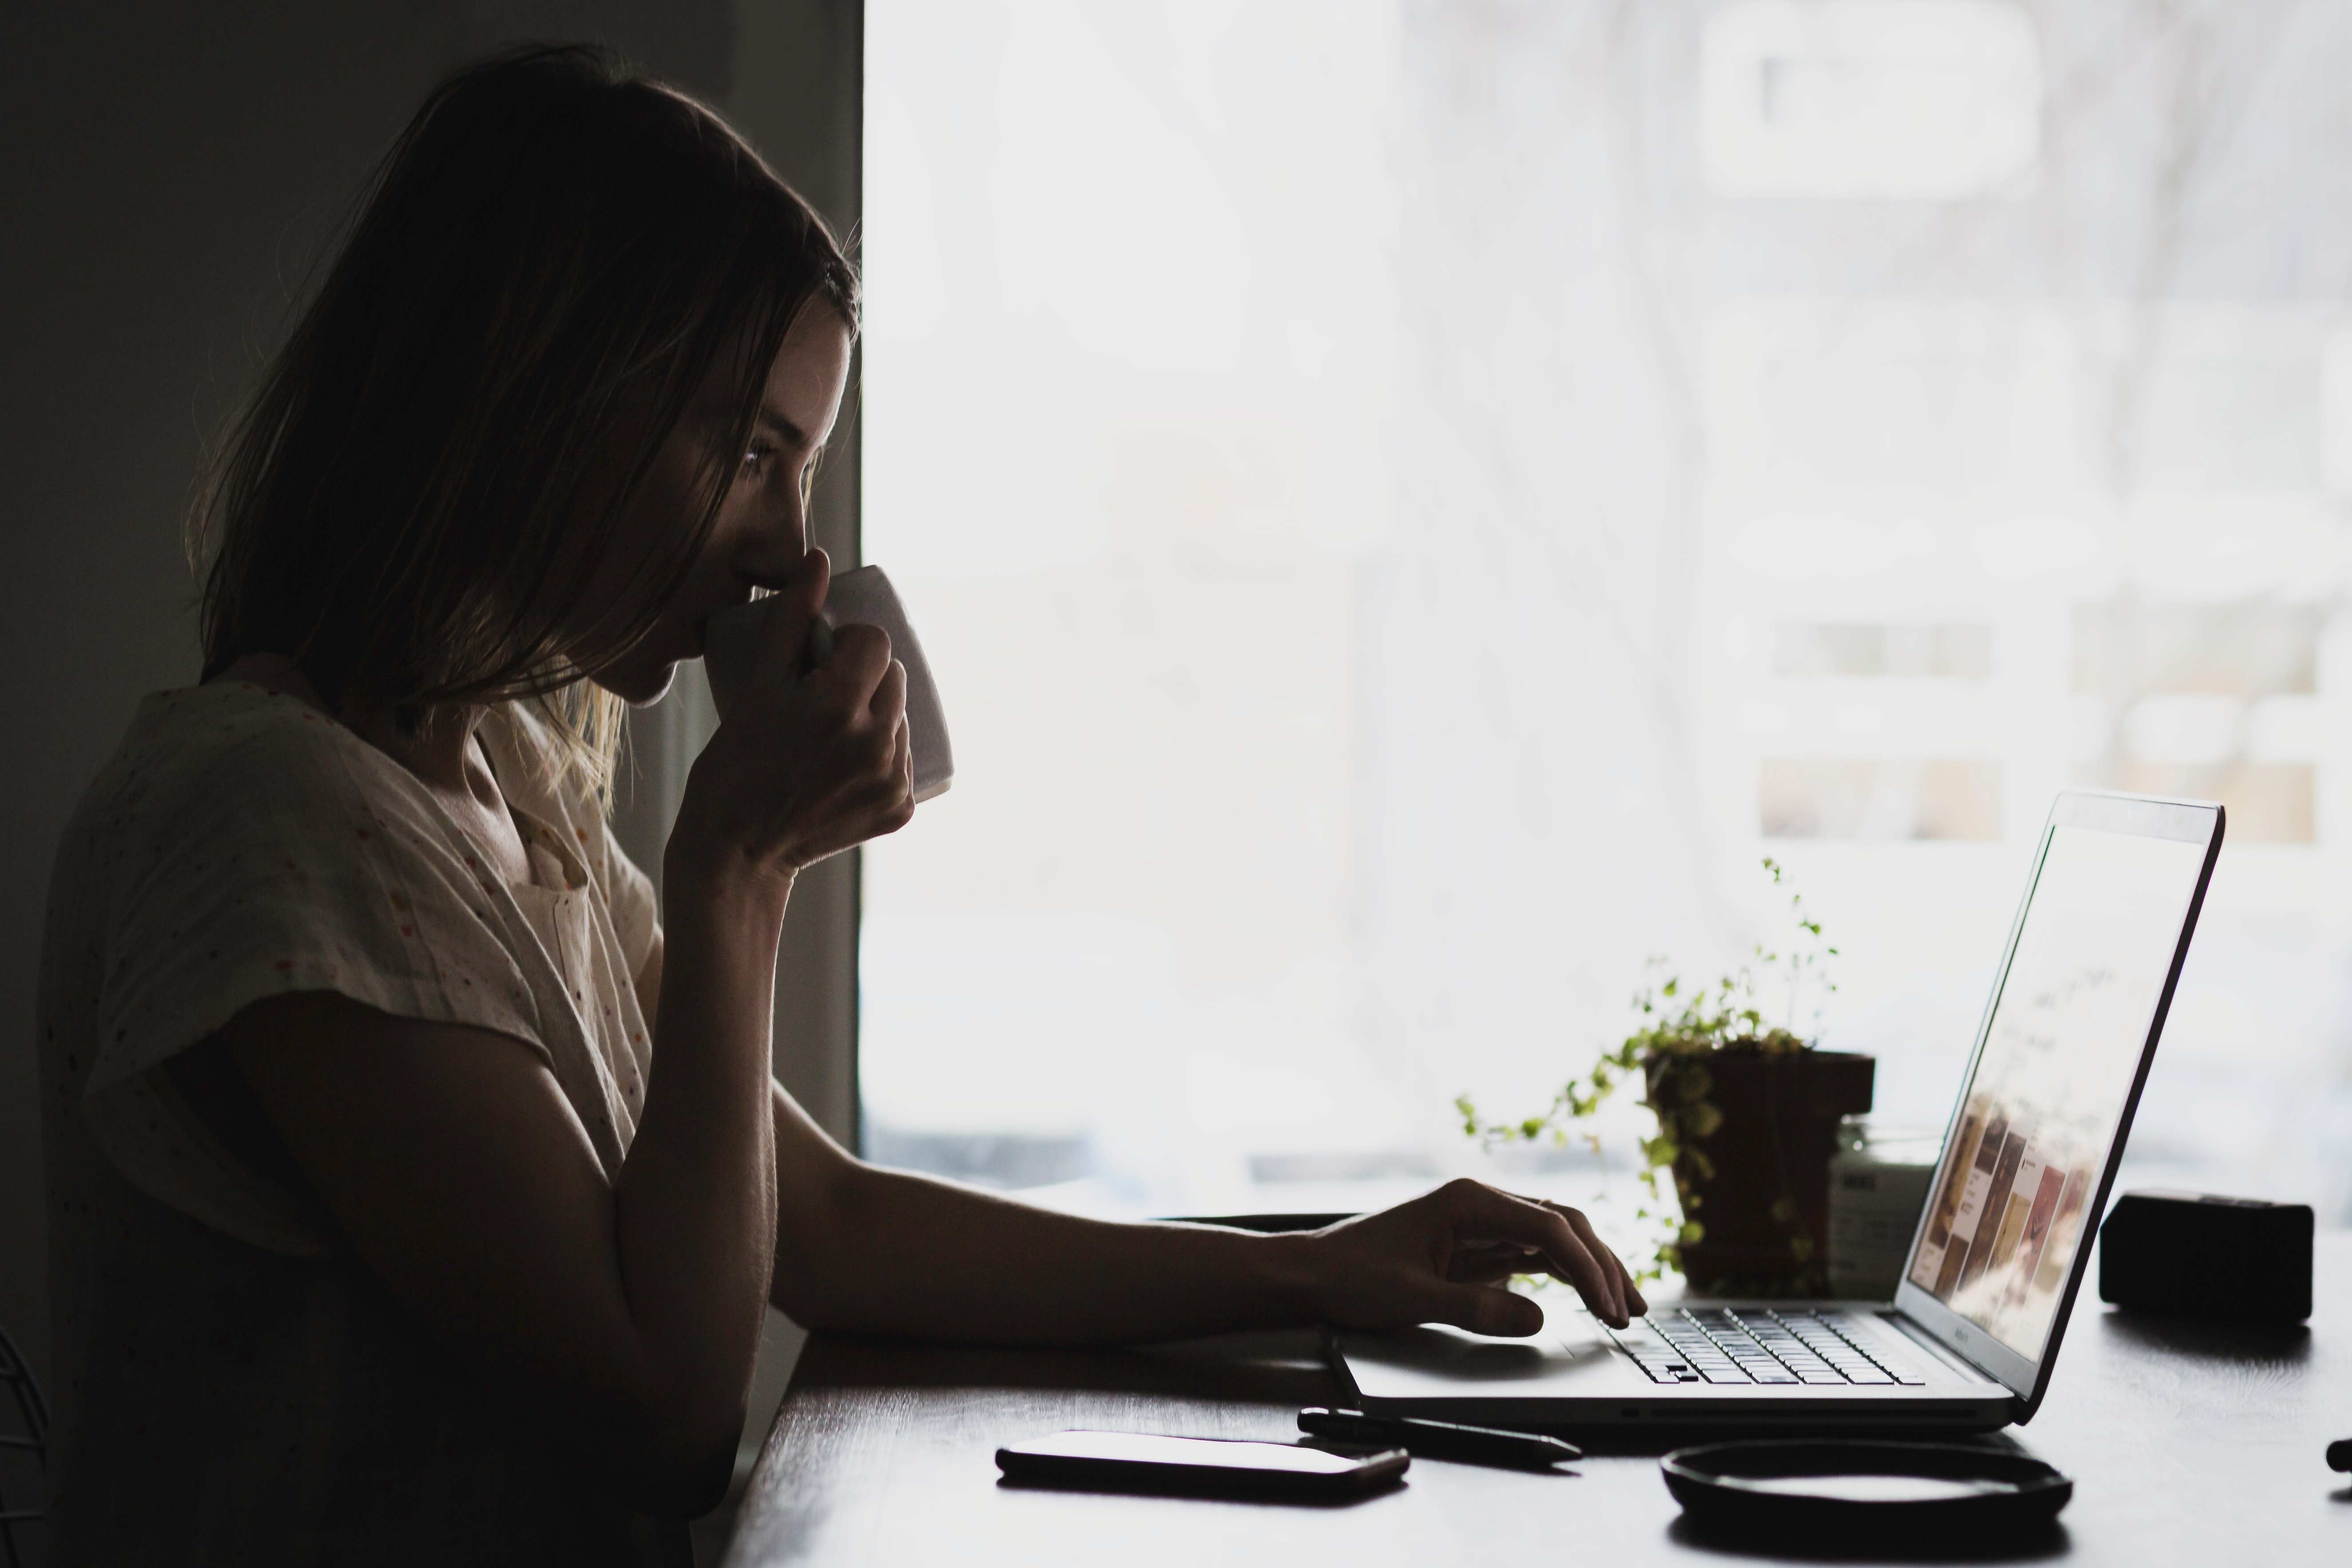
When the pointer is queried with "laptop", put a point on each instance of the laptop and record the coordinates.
(1968, 1343)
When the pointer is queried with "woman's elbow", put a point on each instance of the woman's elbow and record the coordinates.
(674, 1464)
(689, 1485)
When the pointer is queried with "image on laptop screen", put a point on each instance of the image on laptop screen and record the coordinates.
(2060, 1052)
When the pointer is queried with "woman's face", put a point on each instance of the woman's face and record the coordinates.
(762, 532)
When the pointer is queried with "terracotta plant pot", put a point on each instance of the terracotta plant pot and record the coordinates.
(1764, 1207)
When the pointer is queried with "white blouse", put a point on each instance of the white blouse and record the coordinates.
(233, 1385)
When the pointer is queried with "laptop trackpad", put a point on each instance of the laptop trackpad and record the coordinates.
(1570, 1358)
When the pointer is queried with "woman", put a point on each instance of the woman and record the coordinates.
(417, 1194)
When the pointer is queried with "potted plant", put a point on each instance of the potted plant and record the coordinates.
(1747, 1116)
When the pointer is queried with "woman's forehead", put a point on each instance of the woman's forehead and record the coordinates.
(803, 382)
(806, 380)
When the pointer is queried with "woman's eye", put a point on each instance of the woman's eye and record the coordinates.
(756, 460)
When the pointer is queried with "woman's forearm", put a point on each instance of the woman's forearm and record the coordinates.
(869, 1250)
(695, 1205)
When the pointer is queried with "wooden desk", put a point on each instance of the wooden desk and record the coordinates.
(2188, 1445)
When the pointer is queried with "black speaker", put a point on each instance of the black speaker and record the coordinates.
(2190, 1254)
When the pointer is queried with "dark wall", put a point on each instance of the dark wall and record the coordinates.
(170, 173)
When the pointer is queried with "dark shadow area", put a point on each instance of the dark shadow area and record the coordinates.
(2038, 1545)
(2278, 1344)
(1260, 1368)
(1656, 1442)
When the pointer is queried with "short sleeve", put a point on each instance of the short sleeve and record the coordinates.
(285, 856)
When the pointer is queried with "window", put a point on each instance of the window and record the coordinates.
(1408, 504)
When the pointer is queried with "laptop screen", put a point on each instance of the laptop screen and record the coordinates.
(2062, 1049)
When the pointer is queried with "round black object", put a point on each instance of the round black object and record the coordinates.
(1823, 1488)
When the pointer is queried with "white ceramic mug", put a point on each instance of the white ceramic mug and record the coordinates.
(862, 597)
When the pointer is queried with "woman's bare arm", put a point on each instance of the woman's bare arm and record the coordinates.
(868, 1249)
(626, 1310)
(626, 1313)
(865, 1248)
(871, 1250)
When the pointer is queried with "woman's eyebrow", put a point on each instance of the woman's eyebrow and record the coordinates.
(770, 420)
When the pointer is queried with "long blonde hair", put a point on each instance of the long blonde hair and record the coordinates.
(551, 261)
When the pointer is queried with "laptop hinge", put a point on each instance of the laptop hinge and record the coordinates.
(1953, 1360)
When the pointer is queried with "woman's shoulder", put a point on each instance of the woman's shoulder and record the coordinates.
(212, 781)
(231, 749)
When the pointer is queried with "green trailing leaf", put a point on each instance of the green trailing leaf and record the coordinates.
(1681, 1024)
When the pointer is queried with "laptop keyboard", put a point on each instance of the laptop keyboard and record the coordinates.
(1721, 1345)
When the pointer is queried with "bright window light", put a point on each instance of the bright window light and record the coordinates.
(1922, 99)
(1401, 530)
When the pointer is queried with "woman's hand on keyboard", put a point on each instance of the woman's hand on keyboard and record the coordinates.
(1444, 1259)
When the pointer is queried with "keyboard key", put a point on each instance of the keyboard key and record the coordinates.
(1723, 1345)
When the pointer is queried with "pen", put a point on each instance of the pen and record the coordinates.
(1438, 1439)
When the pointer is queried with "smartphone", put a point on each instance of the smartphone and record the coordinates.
(1198, 1467)
(861, 595)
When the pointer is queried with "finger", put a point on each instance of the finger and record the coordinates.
(1536, 1225)
(1491, 1273)
(783, 634)
(861, 660)
(1636, 1303)
(1492, 1260)
(1629, 1291)
(1627, 1296)
(885, 799)
(812, 580)
(1488, 1264)
(889, 703)
(1485, 1309)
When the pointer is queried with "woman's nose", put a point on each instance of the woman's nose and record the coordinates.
(772, 551)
